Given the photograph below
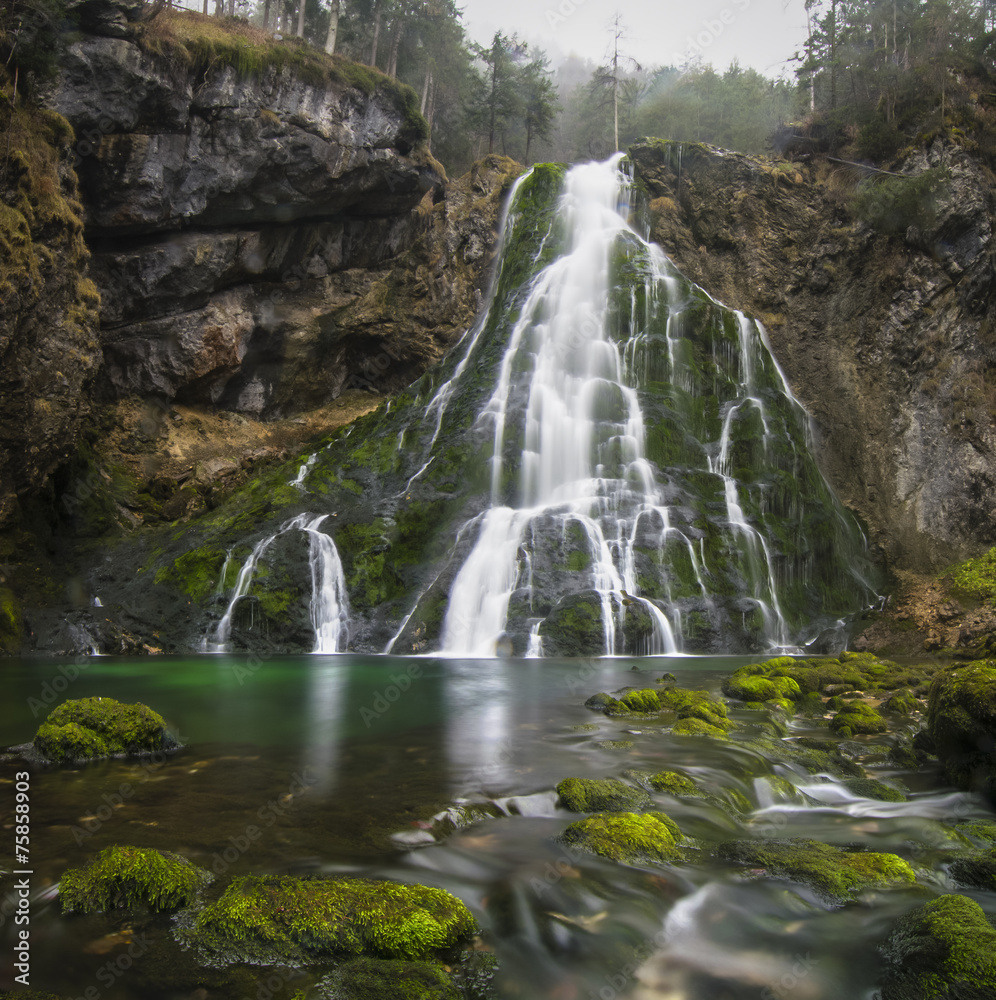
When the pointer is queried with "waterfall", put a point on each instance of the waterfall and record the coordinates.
(329, 604)
(608, 462)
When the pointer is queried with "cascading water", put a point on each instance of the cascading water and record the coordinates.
(609, 462)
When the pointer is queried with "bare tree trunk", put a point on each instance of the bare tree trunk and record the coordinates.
(392, 62)
(205, 6)
(231, 8)
(335, 9)
(266, 14)
(376, 35)
(300, 20)
(425, 89)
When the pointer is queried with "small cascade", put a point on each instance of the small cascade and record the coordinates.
(329, 604)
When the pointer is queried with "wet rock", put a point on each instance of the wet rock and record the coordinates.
(280, 919)
(601, 795)
(961, 721)
(834, 874)
(944, 949)
(629, 837)
(89, 728)
(857, 717)
(129, 876)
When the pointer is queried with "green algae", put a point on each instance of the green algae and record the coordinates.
(943, 950)
(628, 837)
(834, 874)
(601, 795)
(268, 918)
(11, 622)
(696, 727)
(128, 876)
(86, 728)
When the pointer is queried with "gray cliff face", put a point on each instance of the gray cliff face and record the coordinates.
(888, 338)
(219, 209)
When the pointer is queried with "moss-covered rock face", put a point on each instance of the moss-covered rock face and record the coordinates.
(961, 720)
(943, 950)
(88, 728)
(128, 876)
(270, 919)
(834, 874)
(601, 795)
(696, 711)
(629, 837)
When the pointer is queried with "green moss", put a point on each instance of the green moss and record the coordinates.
(196, 572)
(392, 979)
(943, 949)
(900, 703)
(981, 831)
(977, 577)
(628, 837)
(98, 727)
(642, 701)
(11, 622)
(836, 875)
(600, 795)
(574, 627)
(858, 717)
(696, 727)
(279, 918)
(977, 869)
(961, 720)
(869, 788)
(127, 876)
(673, 783)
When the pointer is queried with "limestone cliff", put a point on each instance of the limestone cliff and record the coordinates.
(878, 301)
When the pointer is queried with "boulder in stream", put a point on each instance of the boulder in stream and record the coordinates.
(629, 837)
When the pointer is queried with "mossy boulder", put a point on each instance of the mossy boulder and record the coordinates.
(270, 919)
(391, 979)
(901, 702)
(629, 837)
(697, 727)
(88, 728)
(130, 876)
(834, 874)
(601, 795)
(857, 717)
(961, 720)
(574, 627)
(673, 783)
(756, 682)
(869, 788)
(943, 950)
(977, 869)
(686, 704)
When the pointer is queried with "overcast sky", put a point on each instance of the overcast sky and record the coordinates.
(763, 34)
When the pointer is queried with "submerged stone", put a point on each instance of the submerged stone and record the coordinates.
(390, 979)
(869, 788)
(270, 919)
(834, 874)
(943, 950)
(977, 869)
(88, 728)
(128, 876)
(601, 795)
(629, 837)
